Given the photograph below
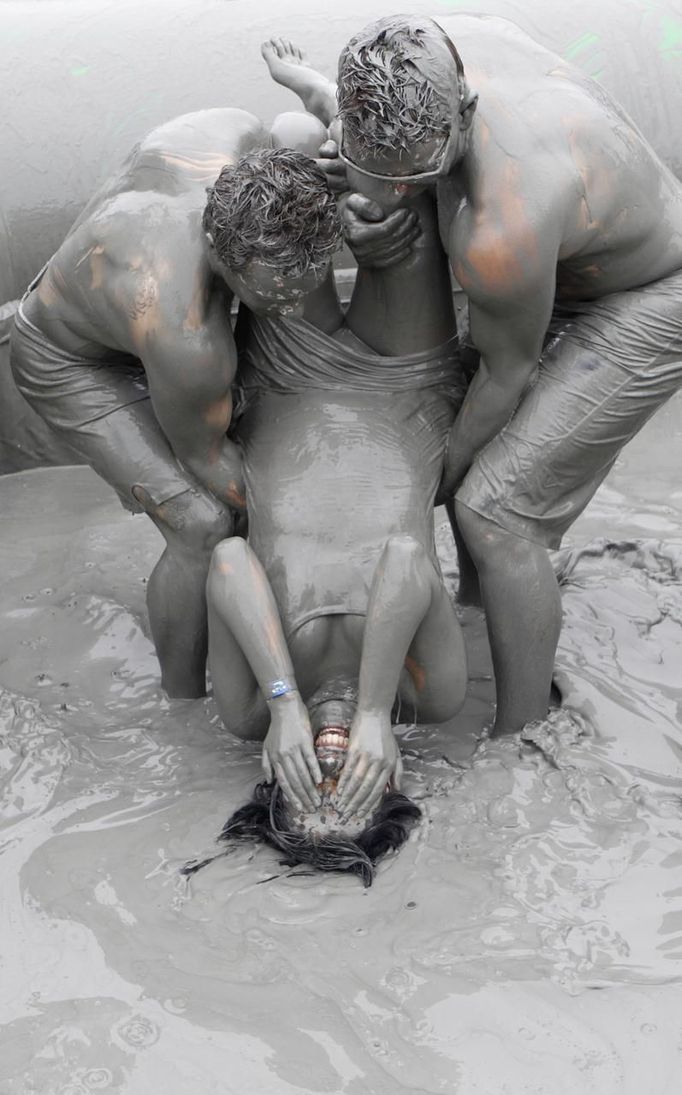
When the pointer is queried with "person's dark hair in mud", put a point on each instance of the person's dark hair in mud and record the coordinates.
(388, 100)
(319, 841)
(273, 206)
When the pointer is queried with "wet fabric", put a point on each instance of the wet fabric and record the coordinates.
(293, 356)
(342, 449)
(101, 408)
(608, 365)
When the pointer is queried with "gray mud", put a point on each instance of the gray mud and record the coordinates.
(544, 869)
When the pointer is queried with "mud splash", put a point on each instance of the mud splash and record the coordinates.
(546, 866)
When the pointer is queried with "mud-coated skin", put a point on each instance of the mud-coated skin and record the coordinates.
(134, 276)
(136, 280)
(338, 592)
(552, 194)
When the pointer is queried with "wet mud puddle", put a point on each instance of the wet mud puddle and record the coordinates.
(528, 938)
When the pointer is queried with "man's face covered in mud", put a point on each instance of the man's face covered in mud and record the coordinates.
(267, 292)
(321, 840)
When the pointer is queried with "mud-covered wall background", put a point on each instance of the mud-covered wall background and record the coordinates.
(82, 80)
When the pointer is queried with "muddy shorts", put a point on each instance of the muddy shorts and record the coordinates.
(101, 408)
(608, 365)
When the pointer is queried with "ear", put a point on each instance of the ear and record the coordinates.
(467, 108)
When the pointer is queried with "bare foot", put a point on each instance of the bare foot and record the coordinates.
(288, 66)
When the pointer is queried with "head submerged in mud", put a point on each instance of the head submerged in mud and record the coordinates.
(322, 840)
(273, 226)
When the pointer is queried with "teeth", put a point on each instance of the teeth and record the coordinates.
(332, 738)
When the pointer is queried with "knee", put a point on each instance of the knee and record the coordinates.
(229, 556)
(481, 536)
(404, 550)
(195, 522)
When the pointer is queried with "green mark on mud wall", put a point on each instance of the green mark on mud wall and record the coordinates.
(580, 44)
(671, 41)
(79, 70)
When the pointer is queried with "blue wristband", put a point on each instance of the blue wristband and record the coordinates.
(279, 688)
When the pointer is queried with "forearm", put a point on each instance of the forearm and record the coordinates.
(399, 599)
(487, 408)
(240, 594)
(218, 467)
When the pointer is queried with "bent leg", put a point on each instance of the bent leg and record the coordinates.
(192, 524)
(523, 614)
(411, 624)
(289, 67)
(469, 589)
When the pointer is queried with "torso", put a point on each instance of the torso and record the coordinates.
(329, 477)
(551, 149)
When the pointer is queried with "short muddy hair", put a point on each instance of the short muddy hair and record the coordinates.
(266, 818)
(387, 98)
(273, 206)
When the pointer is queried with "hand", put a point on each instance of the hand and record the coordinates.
(373, 758)
(376, 240)
(288, 752)
(334, 168)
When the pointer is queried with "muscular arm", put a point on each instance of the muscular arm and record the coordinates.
(510, 285)
(189, 356)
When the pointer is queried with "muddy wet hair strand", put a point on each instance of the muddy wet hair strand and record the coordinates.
(265, 819)
(273, 206)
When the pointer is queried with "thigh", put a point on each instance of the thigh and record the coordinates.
(435, 677)
(538, 474)
(128, 448)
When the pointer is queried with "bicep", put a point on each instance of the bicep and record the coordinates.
(190, 386)
(508, 328)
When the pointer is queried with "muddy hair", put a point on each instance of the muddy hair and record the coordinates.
(274, 206)
(265, 819)
(388, 100)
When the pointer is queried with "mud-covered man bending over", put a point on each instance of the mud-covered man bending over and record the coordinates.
(123, 343)
(335, 608)
(565, 231)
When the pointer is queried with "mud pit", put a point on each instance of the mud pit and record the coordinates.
(538, 876)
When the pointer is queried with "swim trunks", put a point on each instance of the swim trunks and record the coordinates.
(608, 365)
(101, 407)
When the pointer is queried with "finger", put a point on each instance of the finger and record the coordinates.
(367, 807)
(266, 766)
(296, 783)
(329, 150)
(393, 260)
(309, 791)
(312, 762)
(346, 773)
(366, 208)
(384, 248)
(379, 230)
(355, 777)
(287, 789)
(365, 790)
(397, 780)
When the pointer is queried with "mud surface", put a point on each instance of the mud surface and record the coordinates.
(544, 870)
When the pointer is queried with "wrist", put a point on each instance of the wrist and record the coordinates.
(280, 689)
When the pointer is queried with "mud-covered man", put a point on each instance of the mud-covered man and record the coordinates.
(123, 343)
(564, 230)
